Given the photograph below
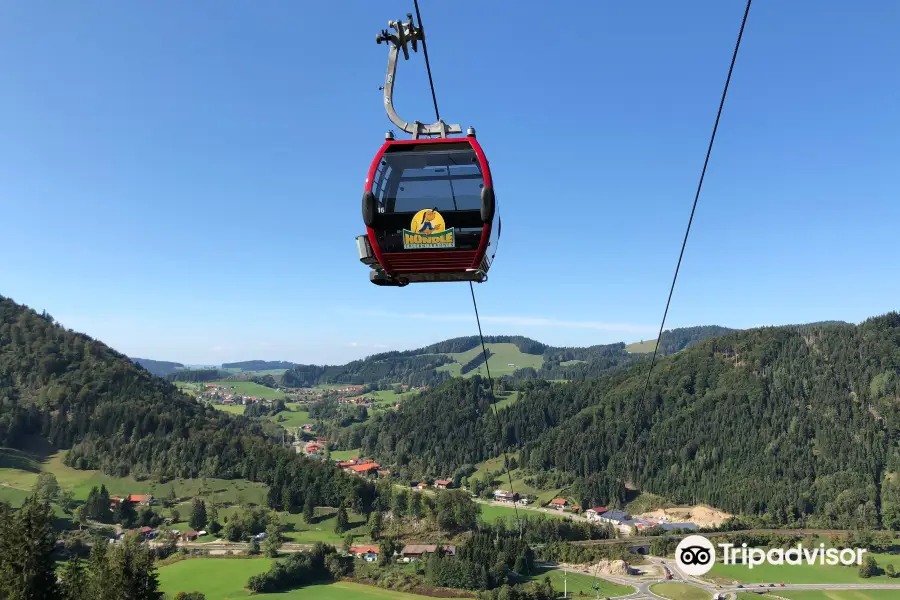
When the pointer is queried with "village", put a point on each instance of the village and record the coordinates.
(222, 393)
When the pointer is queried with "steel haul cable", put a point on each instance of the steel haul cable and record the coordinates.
(712, 138)
(500, 428)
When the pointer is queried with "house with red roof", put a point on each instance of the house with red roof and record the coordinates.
(593, 514)
(364, 469)
(558, 503)
(442, 484)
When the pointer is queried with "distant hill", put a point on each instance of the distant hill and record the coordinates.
(259, 365)
(160, 368)
(799, 423)
(678, 339)
(513, 357)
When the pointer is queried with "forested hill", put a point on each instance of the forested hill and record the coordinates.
(113, 415)
(799, 422)
(160, 368)
(426, 366)
(259, 365)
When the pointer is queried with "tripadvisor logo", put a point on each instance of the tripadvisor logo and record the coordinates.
(695, 555)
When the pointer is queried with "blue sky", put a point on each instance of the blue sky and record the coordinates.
(183, 180)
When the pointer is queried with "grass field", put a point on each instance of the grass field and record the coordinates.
(641, 347)
(505, 400)
(490, 512)
(248, 388)
(580, 584)
(833, 595)
(388, 398)
(19, 471)
(291, 418)
(801, 573)
(518, 480)
(230, 408)
(344, 454)
(224, 579)
(680, 591)
(323, 529)
(503, 356)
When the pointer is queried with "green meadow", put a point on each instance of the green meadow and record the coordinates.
(580, 584)
(19, 472)
(679, 591)
(856, 594)
(644, 347)
(322, 529)
(518, 480)
(503, 355)
(249, 388)
(224, 579)
(803, 573)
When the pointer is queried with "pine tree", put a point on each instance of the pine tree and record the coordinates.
(287, 500)
(309, 512)
(131, 565)
(343, 523)
(375, 525)
(198, 514)
(27, 541)
(104, 512)
(74, 580)
(126, 515)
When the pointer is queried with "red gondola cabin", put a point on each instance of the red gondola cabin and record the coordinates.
(429, 209)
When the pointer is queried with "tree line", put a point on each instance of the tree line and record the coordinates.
(110, 414)
(753, 422)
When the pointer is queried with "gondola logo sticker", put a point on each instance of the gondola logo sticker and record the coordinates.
(427, 230)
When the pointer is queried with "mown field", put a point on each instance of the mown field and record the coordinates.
(641, 347)
(248, 388)
(344, 454)
(503, 355)
(518, 480)
(224, 579)
(322, 529)
(827, 595)
(803, 573)
(680, 591)
(19, 471)
(295, 416)
(580, 584)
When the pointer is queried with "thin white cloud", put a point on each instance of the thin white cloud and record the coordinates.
(515, 320)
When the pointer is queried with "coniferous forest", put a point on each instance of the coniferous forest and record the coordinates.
(798, 422)
(111, 414)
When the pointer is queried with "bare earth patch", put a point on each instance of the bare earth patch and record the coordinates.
(615, 568)
(703, 516)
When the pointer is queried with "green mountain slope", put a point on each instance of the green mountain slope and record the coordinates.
(112, 415)
(160, 368)
(798, 422)
(515, 358)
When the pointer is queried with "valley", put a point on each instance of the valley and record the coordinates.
(401, 451)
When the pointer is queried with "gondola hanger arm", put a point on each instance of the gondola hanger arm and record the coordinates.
(406, 33)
